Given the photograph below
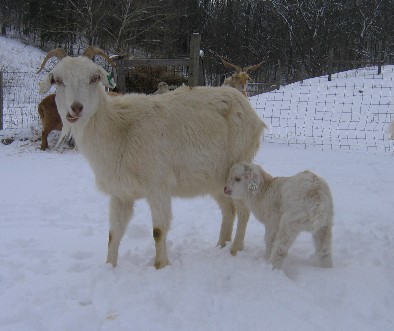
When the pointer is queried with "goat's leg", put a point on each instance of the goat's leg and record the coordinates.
(160, 206)
(44, 139)
(243, 217)
(119, 216)
(269, 238)
(283, 240)
(322, 240)
(228, 215)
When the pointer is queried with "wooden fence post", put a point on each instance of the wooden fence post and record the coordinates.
(329, 67)
(380, 58)
(278, 76)
(1, 101)
(121, 77)
(194, 59)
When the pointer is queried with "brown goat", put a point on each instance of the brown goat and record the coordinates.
(50, 118)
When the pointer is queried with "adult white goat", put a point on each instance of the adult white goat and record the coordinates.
(287, 206)
(240, 78)
(181, 143)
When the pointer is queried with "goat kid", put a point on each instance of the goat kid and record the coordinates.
(287, 206)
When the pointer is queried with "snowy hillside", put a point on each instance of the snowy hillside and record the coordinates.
(54, 232)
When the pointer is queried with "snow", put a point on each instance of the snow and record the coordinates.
(53, 242)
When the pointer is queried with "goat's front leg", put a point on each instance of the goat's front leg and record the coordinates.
(243, 218)
(228, 211)
(119, 216)
(160, 205)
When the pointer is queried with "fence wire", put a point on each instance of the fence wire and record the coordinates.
(20, 99)
(351, 112)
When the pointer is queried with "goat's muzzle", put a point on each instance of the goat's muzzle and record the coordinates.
(76, 108)
(227, 190)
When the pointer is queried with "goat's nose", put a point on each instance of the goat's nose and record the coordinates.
(77, 108)
(227, 190)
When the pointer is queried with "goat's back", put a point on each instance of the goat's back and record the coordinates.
(309, 196)
(186, 139)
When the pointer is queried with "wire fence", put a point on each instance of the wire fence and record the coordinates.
(352, 112)
(20, 99)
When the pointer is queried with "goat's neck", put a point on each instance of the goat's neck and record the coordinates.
(261, 198)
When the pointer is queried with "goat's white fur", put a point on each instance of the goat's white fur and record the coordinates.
(287, 206)
(181, 143)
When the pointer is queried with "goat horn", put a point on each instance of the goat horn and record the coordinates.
(57, 52)
(254, 67)
(230, 65)
(91, 51)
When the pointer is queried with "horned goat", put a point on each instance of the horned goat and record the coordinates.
(154, 147)
(287, 206)
(240, 78)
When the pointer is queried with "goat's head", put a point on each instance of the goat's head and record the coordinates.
(78, 81)
(244, 178)
(240, 78)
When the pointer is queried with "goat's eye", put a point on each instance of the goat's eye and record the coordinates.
(95, 79)
(58, 81)
(237, 179)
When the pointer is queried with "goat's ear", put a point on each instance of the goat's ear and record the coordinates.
(107, 79)
(46, 84)
(254, 180)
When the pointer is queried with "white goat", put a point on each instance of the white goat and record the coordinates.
(287, 206)
(240, 78)
(181, 143)
(390, 130)
(162, 87)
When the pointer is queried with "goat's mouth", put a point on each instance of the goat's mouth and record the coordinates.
(71, 118)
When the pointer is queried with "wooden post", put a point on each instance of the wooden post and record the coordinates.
(1, 101)
(121, 79)
(380, 58)
(194, 59)
(278, 75)
(329, 66)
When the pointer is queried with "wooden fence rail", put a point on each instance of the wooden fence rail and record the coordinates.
(192, 63)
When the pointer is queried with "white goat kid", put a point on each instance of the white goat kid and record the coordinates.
(181, 143)
(287, 206)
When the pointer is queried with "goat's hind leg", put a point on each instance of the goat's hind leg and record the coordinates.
(160, 205)
(322, 240)
(119, 216)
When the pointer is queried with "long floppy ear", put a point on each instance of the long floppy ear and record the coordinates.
(107, 79)
(46, 84)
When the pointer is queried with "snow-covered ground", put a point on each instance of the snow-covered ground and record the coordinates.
(53, 241)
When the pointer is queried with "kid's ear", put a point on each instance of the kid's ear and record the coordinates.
(46, 84)
(254, 181)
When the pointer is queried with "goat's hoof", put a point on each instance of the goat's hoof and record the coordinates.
(161, 265)
(221, 243)
(114, 263)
